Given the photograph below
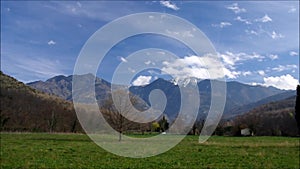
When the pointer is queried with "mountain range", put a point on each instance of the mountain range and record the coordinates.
(62, 86)
(49, 108)
(240, 98)
(248, 107)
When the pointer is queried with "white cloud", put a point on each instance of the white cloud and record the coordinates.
(225, 24)
(235, 8)
(79, 4)
(206, 67)
(281, 68)
(182, 33)
(251, 32)
(131, 70)
(40, 67)
(51, 42)
(292, 10)
(147, 62)
(152, 72)
(264, 19)
(142, 80)
(286, 82)
(222, 24)
(242, 20)
(261, 73)
(260, 31)
(161, 52)
(275, 35)
(123, 59)
(231, 74)
(187, 34)
(231, 59)
(273, 57)
(247, 73)
(170, 5)
(293, 53)
(98, 10)
(254, 84)
(73, 10)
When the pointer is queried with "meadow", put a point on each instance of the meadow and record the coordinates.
(44, 150)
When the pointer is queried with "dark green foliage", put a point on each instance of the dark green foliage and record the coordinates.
(163, 123)
(155, 127)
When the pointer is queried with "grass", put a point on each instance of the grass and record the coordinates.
(42, 150)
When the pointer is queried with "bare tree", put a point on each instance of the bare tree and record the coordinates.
(52, 121)
(119, 110)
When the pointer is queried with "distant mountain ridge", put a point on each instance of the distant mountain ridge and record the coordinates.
(245, 108)
(238, 94)
(62, 86)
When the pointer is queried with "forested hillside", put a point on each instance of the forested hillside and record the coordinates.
(275, 118)
(27, 109)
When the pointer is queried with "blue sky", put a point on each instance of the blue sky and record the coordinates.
(258, 42)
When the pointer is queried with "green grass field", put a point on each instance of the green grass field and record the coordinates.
(36, 150)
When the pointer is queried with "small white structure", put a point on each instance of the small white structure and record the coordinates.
(246, 132)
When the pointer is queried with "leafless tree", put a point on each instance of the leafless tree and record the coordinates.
(52, 122)
(116, 110)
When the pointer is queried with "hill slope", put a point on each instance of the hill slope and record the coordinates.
(27, 109)
(275, 118)
(246, 108)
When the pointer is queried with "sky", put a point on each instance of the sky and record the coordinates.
(256, 42)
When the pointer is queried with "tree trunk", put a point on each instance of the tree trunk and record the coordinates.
(120, 136)
(74, 126)
(52, 122)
